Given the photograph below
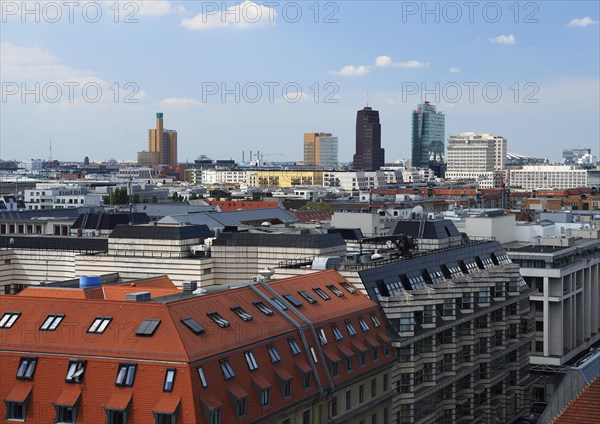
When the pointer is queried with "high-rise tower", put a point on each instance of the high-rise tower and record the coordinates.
(162, 144)
(428, 132)
(369, 155)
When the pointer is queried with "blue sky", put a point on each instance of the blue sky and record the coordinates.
(544, 57)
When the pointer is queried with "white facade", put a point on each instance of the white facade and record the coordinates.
(57, 196)
(552, 177)
(355, 181)
(224, 176)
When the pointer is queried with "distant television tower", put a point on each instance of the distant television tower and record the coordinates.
(50, 157)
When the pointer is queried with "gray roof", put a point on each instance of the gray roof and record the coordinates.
(192, 218)
(310, 241)
(234, 218)
(437, 230)
(41, 214)
(97, 244)
(160, 210)
(161, 232)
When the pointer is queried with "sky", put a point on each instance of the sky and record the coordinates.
(254, 76)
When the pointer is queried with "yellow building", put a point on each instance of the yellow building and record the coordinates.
(162, 145)
(284, 178)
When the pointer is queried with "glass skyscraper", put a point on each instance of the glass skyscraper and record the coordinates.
(428, 134)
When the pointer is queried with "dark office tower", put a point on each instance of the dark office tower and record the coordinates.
(428, 138)
(369, 154)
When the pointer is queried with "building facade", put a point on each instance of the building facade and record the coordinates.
(533, 177)
(428, 135)
(369, 155)
(320, 149)
(162, 145)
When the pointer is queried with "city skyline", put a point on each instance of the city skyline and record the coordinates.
(207, 59)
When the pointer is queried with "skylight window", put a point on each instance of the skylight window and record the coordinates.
(251, 360)
(363, 324)
(169, 380)
(307, 296)
(337, 333)
(193, 325)
(227, 370)
(320, 292)
(348, 287)
(263, 308)
(375, 320)
(147, 327)
(294, 346)
(279, 304)
(314, 355)
(51, 322)
(8, 319)
(99, 325)
(241, 313)
(350, 328)
(26, 368)
(335, 290)
(202, 378)
(290, 298)
(273, 354)
(322, 336)
(125, 375)
(222, 322)
(75, 371)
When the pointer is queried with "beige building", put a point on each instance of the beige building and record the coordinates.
(320, 149)
(162, 146)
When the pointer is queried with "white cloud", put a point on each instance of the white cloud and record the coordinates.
(383, 61)
(583, 22)
(153, 7)
(504, 39)
(351, 70)
(411, 64)
(454, 70)
(177, 101)
(241, 15)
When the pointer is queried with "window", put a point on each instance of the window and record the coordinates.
(251, 360)
(245, 316)
(75, 371)
(215, 416)
(51, 322)
(8, 319)
(273, 354)
(65, 414)
(99, 325)
(333, 407)
(314, 355)
(322, 336)
(294, 346)
(265, 397)
(361, 358)
(202, 377)
(218, 319)
(320, 292)
(348, 287)
(337, 333)
(290, 298)
(348, 363)
(334, 369)
(374, 353)
(26, 368)
(169, 380)
(375, 320)
(193, 325)
(386, 349)
(361, 393)
(306, 417)
(165, 418)
(125, 375)
(307, 296)
(240, 408)
(279, 304)
(147, 327)
(363, 324)
(287, 388)
(263, 308)
(385, 382)
(117, 416)
(227, 370)
(335, 290)
(306, 380)
(16, 410)
(350, 328)
(373, 388)
(348, 400)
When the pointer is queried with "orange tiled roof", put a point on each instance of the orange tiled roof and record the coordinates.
(234, 205)
(62, 293)
(584, 408)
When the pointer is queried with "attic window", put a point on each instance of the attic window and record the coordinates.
(125, 375)
(307, 296)
(222, 322)
(290, 298)
(350, 328)
(279, 304)
(335, 290)
(99, 325)
(193, 325)
(320, 292)
(8, 319)
(322, 336)
(251, 360)
(147, 327)
(51, 322)
(169, 380)
(363, 324)
(202, 378)
(227, 370)
(337, 333)
(294, 346)
(375, 320)
(348, 287)
(26, 368)
(75, 371)
(241, 313)
(275, 357)
(263, 308)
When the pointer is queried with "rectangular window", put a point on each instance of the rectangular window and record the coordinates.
(335, 290)
(306, 380)
(227, 370)
(287, 388)
(245, 316)
(361, 358)
(240, 408)
(294, 346)
(348, 400)
(26, 368)
(350, 328)
(265, 397)
(75, 371)
(51, 322)
(147, 327)
(337, 333)
(333, 407)
(251, 360)
(385, 382)
(314, 355)
(307, 296)
(125, 375)
(374, 353)
(215, 416)
(348, 287)
(193, 325)
(348, 363)
(290, 298)
(218, 319)
(375, 320)
(373, 388)
(361, 393)
(386, 349)
(15, 410)
(263, 308)
(99, 325)
(334, 369)
(169, 380)
(363, 324)
(320, 292)
(202, 377)
(8, 319)
(273, 354)
(65, 414)
(279, 304)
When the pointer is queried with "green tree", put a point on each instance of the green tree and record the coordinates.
(154, 199)
(193, 196)
(136, 198)
(175, 197)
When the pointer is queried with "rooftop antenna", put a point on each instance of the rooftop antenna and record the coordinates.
(367, 97)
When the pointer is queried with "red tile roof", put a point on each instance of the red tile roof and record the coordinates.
(584, 408)
(228, 206)
(19, 392)
(68, 397)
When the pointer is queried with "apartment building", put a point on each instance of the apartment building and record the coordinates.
(533, 177)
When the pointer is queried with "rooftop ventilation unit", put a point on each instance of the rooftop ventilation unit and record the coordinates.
(190, 286)
(137, 297)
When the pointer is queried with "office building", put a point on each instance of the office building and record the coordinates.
(320, 149)
(559, 177)
(428, 135)
(162, 146)
(369, 155)
(577, 156)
